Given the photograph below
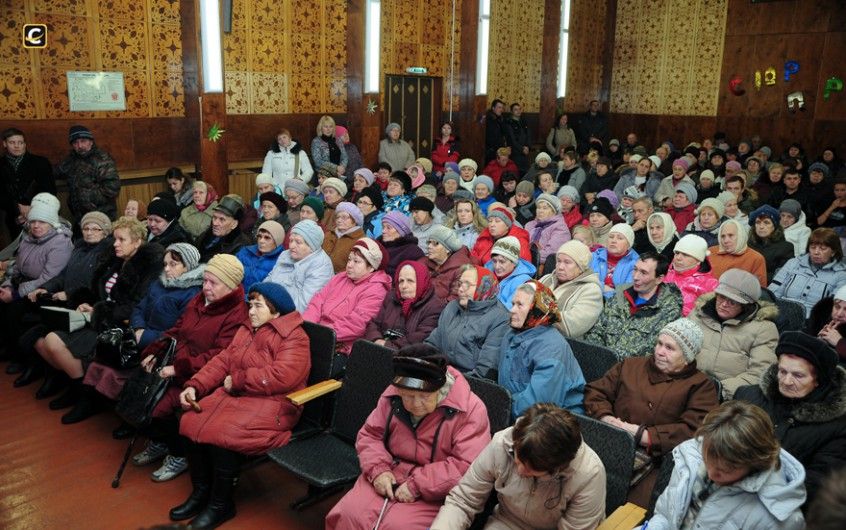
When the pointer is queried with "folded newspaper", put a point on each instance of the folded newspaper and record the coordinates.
(60, 318)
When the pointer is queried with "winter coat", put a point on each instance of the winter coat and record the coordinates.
(523, 272)
(134, 278)
(683, 216)
(256, 265)
(196, 222)
(802, 282)
(523, 503)
(574, 176)
(667, 190)
(20, 182)
(398, 154)
(303, 278)
(738, 350)
(265, 364)
(430, 458)
(776, 254)
(485, 242)
(39, 260)
(468, 234)
(445, 276)
(338, 248)
(766, 500)
(79, 268)
(320, 152)
(629, 330)
(347, 306)
(231, 243)
(400, 203)
(653, 181)
(820, 317)
(174, 233)
(749, 260)
(421, 232)
(471, 337)
(93, 182)
(551, 234)
(579, 301)
(494, 170)
(280, 164)
(372, 225)
(412, 329)
(443, 153)
(354, 161)
(623, 272)
(527, 212)
(710, 235)
(538, 366)
(559, 136)
(405, 248)
(692, 283)
(164, 304)
(798, 234)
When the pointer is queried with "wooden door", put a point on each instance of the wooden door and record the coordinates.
(414, 102)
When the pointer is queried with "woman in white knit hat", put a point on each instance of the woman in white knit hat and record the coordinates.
(576, 289)
(614, 263)
(690, 270)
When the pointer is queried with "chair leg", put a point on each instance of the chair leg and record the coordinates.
(315, 494)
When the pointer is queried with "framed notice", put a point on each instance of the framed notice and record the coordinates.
(96, 91)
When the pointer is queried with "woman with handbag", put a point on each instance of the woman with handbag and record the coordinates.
(243, 409)
(121, 279)
(660, 399)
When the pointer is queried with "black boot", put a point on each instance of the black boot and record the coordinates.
(33, 372)
(69, 398)
(199, 467)
(54, 382)
(221, 506)
(123, 431)
(87, 406)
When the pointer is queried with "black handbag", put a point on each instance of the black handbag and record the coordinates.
(143, 391)
(118, 348)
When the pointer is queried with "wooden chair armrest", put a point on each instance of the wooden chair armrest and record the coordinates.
(625, 517)
(309, 393)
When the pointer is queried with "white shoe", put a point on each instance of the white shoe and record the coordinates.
(172, 467)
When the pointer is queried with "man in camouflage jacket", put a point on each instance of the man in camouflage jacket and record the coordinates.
(92, 176)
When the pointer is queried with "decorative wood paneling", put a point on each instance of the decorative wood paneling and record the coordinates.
(665, 52)
(142, 39)
(586, 46)
(516, 46)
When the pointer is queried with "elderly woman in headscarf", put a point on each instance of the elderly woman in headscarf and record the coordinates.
(739, 330)
(470, 328)
(445, 255)
(576, 289)
(733, 252)
(427, 428)
(394, 150)
(197, 217)
(662, 233)
(660, 400)
(547, 230)
(339, 241)
(537, 364)
(805, 396)
(410, 311)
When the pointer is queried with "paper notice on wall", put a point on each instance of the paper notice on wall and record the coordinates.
(89, 91)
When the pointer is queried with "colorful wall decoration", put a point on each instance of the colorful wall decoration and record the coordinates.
(667, 56)
(140, 39)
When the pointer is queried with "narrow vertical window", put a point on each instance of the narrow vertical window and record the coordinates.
(562, 48)
(482, 47)
(372, 32)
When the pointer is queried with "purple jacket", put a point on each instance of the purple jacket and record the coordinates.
(548, 235)
(39, 260)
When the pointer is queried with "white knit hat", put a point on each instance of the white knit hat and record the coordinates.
(44, 207)
(624, 230)
(693, 246)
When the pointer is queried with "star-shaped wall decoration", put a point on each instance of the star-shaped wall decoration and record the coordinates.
(371, 107)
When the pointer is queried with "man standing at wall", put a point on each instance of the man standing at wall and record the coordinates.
(517, 134)
(92, 176)
(494, 130)
(592, 126)
(22, 176)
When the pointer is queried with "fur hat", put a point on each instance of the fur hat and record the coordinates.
(693, 246)
(508, 247)
(687, 334)
(273, 198)
(404, 180)
(164, 208)
(578, 252)
(227, 269)
(739, 285)
(275, 294)
(276, 231)
(311, 233)
(188, 252)
(374, 195)
(421, 203)
(817, 352)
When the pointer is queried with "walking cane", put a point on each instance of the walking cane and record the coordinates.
(116, 480)
(384, 507)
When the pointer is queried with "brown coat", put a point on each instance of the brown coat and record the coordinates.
(338, 248)
(445, 276)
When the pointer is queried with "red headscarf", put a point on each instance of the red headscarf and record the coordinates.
(211, 196)
(424, 282)
(487, 286)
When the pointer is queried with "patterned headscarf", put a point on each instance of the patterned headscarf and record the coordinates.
(544, 311)
(487, 286)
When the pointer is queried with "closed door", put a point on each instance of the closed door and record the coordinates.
(414, 102)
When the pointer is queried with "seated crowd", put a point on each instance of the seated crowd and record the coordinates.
(677, 262)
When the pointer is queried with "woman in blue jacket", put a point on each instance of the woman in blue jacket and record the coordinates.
(614, 263)
(510, 269)
(537, 364)
(258, 260)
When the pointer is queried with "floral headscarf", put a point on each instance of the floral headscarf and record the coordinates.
(423, 284)
(487, 286)
(544, 311)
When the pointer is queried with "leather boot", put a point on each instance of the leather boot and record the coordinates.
(54, 382)
(199, 468)
(86, 406)
(33, 371)
(221, 506)
(69, 398)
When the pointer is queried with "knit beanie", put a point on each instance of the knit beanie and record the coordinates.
(765, 211)
(687, 334)
(188, 252)
(578, 252)
(297, 185)
(263, 178)
(601, 206)
(525, 187)
(352, 210)
(98, 218)
(276, 231)
(693, 246)
(624, 230)
(371, 251)
(819, 166)
(421, 203)
(399, 221)
(462, 194)
(633, 192)
(688, 189)
(486, 180)
(502, 214)
(635, 158)
(45, 209)
(164, 208)
(275, 294)
(817, 352)
(543, 156)
(792, 207)
(452, 175)
(468, 162)
(715, 204)
(340, 130)
(553, 201)
(428, 191)
(425, 163)
(610, 196)
(508, 247)
(725, 197)
(79, 131)
(655, 161)
(452, 166)
(707, 174)
(366, 174)
(311, 233)
(446, 237)
(681, 162)
(739, 285)
(734, 165)
(335, 183)
(767, 151)
(315, 204)
(227, 269)
(391, 126)
(569, 191)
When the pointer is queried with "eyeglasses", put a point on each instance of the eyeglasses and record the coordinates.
(362, 202)
(92, 229)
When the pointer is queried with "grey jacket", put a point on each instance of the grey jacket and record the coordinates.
(767, 500)
(472, 337)
(40, 260)
(302, 278)
(801, 282)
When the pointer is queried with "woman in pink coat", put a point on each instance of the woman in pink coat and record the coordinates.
(416, 445)
(691, 270)
(352, 298)
(244, 409)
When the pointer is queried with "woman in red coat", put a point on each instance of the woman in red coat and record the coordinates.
(415, 446)
(243, 410)
(500, 224)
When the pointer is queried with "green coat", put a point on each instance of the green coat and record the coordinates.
(196, 222)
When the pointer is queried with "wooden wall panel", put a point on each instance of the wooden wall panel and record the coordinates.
(587, 46)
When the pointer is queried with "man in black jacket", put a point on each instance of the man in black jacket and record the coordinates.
(592, 126)
(517, 134)
(22, 176)
(494, 130)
